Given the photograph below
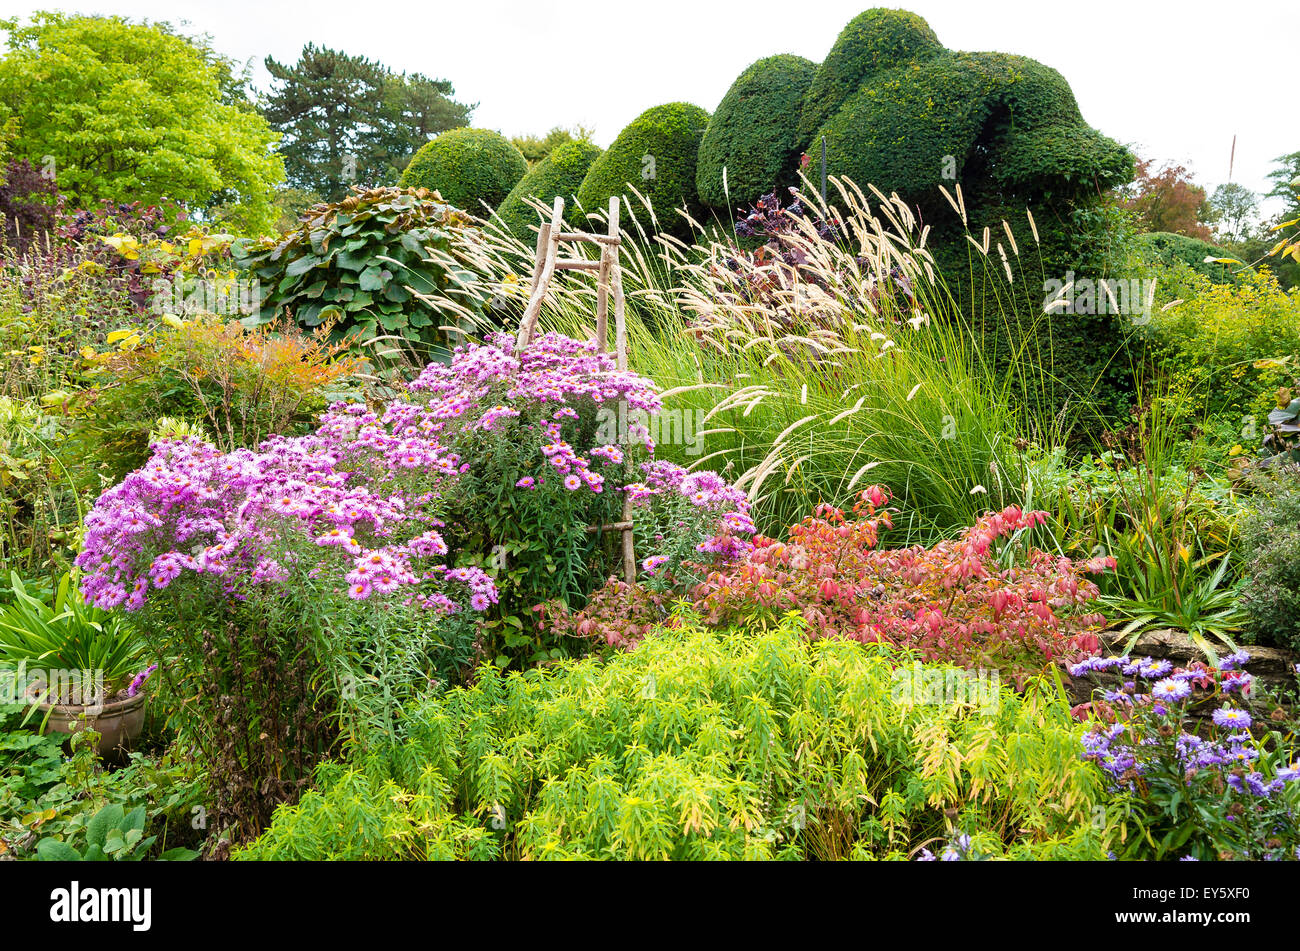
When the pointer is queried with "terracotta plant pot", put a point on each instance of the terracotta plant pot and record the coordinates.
(118, 723)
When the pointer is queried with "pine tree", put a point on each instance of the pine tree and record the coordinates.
(351, 120)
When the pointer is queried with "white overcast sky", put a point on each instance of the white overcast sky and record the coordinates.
(1175, 80)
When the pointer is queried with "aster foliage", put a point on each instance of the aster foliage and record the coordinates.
(556, 447)
(284, 590)
(1226, 789)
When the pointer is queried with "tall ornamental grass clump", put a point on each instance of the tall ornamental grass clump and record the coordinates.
(712, 744)
(829, 358)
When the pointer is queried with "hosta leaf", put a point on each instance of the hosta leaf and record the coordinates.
(352, 261)
(52, 850)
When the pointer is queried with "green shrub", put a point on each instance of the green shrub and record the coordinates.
(49, 800)
(1169, 249)
(55, 298)
(1223, 346)
(560, 173)
(753, 135)
(875, 40)
(467, 166)
(712, 745)
(656, 155)
(40, 507)
(903, 115)
(1006, 127)
(1271, 542)
(358, 265)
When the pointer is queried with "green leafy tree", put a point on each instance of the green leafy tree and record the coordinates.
(135, 112)
(534, 148)
(1232, 208)
(350, 120)
(1283, 178)
(1277, 245)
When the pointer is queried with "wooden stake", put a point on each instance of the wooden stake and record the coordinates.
(620, 329)
(543, 280)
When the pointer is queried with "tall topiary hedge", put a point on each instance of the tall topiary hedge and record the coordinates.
(656, 154)
(560, 173)
(467, 166)
(754, 133)
(1167, 248)
(875, 40)
(900, 112)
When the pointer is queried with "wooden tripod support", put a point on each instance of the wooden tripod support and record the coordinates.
(550, 235)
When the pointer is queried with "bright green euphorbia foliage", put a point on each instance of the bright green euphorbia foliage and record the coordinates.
(135, 112)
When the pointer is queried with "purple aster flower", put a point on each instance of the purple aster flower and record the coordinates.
(1231, 717)
(1171, 689)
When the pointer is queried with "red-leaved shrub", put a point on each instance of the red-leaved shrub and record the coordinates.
(986, 599)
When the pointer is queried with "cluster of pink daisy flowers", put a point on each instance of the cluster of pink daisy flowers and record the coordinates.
(235, 517)
(366, 487)
(545, 388)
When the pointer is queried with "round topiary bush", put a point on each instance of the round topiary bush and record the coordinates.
(560, 173)
(467, 166)
(875, 40)
(656, 154)
(754, 133)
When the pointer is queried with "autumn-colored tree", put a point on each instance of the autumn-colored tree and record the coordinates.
(1165, 198)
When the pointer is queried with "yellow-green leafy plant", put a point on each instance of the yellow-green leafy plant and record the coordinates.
(237, 385)
(706, 744)
(1225, 342)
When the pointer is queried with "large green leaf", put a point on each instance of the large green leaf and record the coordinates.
(52, 850)
(302, 265)
(374, 278)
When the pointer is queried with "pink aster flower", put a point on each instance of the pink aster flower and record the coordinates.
(337, 536)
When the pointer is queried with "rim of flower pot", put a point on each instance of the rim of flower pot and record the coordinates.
(126, 705)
